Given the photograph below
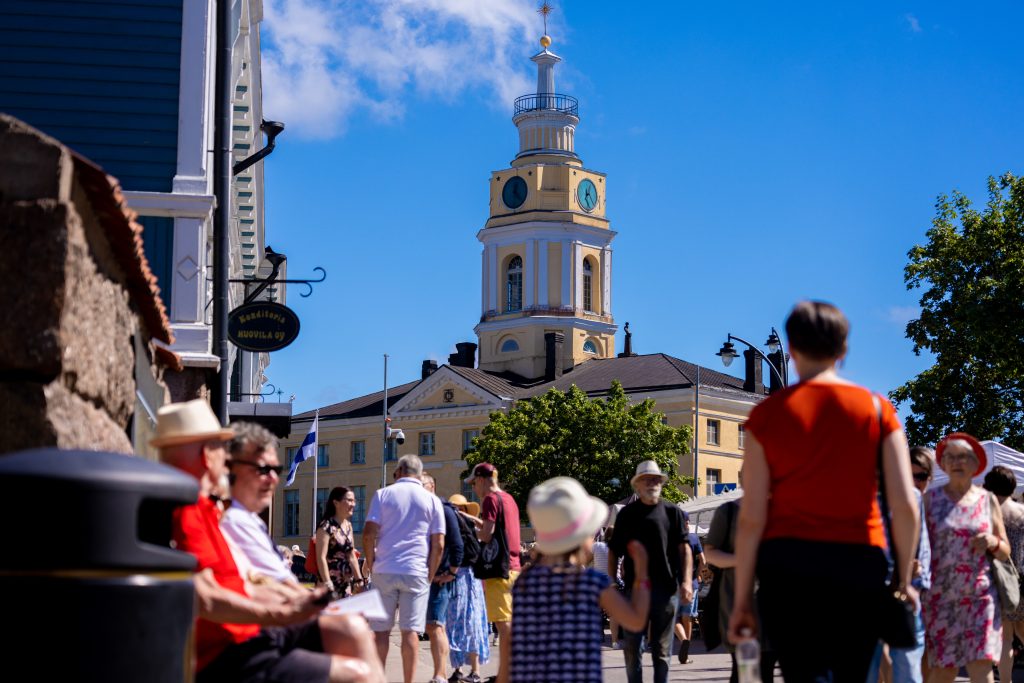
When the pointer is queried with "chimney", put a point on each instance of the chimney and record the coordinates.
(464, 356)
(778, 359)
(429, 368)
(553, 342)
(752, 379)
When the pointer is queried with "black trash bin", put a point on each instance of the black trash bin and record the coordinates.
(89, 586)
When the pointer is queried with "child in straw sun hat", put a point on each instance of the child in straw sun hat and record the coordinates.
(557, 629)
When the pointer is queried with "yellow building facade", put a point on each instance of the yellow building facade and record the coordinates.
(545, 322)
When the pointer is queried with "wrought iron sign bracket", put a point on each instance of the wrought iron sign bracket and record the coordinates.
(272, 279)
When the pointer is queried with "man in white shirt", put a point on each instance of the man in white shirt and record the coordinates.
(402, 544)
(255, 473)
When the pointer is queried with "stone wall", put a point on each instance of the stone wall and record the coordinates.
(67, 356)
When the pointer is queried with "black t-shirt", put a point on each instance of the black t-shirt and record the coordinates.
(661, 529)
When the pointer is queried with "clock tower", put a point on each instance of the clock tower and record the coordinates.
(547, 257)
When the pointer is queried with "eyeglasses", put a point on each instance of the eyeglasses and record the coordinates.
(922, 476)
(264, 470)
(959, 457)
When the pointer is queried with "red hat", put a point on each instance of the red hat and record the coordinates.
(979, 450)
(484, 470)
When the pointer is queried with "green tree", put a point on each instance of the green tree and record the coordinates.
(971, 272)
(597, 441)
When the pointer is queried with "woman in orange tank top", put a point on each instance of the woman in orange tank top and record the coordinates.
(809, 527)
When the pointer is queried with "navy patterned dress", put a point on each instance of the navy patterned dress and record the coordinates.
(557, 628)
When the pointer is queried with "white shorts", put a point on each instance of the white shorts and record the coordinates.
(407, 594)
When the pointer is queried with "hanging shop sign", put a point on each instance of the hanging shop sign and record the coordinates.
(262, 326)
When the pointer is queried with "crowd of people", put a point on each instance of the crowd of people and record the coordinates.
(838, 521)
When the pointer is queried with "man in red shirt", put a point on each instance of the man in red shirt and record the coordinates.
(229, 641)
(498, 591)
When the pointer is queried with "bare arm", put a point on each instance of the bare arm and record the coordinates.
(369, 545)
(719, 558)
(434, 560)
(632, 613)
(749, 529)
(486, 530)
(903, 508)
(686, 562)
(322, 541)
(996, 542)
(223, 606)
(351, 558)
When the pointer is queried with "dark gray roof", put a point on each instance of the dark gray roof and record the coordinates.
(651, 372)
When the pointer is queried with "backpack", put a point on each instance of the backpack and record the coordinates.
(494, 560)
(470, 543)
(310, 565)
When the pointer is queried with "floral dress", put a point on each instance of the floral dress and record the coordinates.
(467, 620)
(961, 615)
(339, 545)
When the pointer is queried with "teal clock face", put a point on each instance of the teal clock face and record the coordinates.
(586, 193)
(514, 192)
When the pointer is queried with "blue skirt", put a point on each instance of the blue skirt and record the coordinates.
(467, 620)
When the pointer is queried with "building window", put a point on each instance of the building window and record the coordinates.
(509, 345)
(289, 456)
(588, 283)
(321, 501)
(514, 285)
(712, 478)
(358, 452)
(714, 427)
(390, 451)
(426, 443)
(742, 437)
(589, 346)
(323, 458)
(291, 513)
(359, 514)
(469, 492)
(467, 439)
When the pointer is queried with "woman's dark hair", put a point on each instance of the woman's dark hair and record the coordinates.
(818, 330)
(923, 457)
(336, 494)
(1001, 481)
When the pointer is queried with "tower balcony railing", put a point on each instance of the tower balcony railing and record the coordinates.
(567, 104)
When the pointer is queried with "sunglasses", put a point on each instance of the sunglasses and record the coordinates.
(922, 476)
(264, 470)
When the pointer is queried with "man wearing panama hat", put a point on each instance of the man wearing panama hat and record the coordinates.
(229, 641)
(661, 528)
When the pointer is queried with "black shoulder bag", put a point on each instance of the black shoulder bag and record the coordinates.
(897, 622)
(494, 560)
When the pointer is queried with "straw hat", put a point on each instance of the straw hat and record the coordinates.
(472, 507)
(188, 422)
(979, 450)
(648, 467)
(564, 515)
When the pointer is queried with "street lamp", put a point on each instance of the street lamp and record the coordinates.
(728, 354)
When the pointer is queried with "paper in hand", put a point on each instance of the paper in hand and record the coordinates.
(367, 603)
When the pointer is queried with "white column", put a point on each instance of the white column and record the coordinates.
(189, 265)
(542, 274)
(566, 274)
(195, 97)
(493, 278)
(606, 281)
(577, 264)
(528, 275)
(483, 280)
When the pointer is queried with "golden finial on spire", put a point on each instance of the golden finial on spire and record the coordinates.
(544, 10)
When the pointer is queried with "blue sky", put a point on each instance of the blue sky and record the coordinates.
(756, 155)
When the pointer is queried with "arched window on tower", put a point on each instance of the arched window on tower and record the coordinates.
(514, 285)
(588, 285)
(589, 346)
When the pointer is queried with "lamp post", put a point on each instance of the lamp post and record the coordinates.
(728, 354)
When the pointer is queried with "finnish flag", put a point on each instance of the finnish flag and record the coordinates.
(306, 451)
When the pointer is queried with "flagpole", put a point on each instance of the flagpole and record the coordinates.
(316, 463)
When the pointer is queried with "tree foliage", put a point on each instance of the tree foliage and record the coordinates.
(597, 441)
(971, 273)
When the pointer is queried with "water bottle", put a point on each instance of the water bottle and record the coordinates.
(748, 659)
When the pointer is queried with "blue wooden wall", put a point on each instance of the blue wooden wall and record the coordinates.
(158, 242)
(101, 76)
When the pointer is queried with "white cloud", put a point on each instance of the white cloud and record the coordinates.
(913, 23)
(901, 315)
(324, 60)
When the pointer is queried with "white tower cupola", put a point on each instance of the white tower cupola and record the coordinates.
(546, 120)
